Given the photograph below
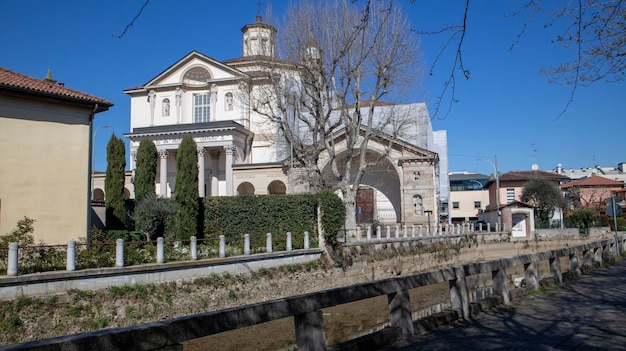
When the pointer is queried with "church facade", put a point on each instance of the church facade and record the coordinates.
(239, 152)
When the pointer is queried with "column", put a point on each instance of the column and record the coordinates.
(163, 173)
(399, 305)
(310, 331)
(201, 181)
(215, 171)
(229, 169)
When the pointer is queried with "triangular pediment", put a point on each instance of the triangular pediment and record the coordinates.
(173, 75)
(400, 149)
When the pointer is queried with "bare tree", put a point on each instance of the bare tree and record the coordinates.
(339, 61)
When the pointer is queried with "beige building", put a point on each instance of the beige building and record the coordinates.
(45, 158)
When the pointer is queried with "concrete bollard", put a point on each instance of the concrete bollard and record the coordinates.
(193, 247)
(246, 244)
(12, 264)
(289, 246)
(268, 243)
(222, 247)
(119, 253)
(70, 265)
(306, 240)
(160, 254)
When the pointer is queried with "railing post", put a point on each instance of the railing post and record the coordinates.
(574, 264)
(405, 232)
(412, 230)
(388, 232)
(119, 253)
(289, 246)
(378, 232)
(397, 234)
(369, 232)
(588, 260)
(421, 227)
(12, 264)
(268, 243)
(488, 227)
(500, 286)
(400, 312)
(555, 269)
(310, 334)
(222, 247)
(246, 244)
(193, 247)
(70, 265)
(160, 256)
(458, 293)
(306, 240)
(530, 273)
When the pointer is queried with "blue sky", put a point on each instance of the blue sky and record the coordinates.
(506, 108)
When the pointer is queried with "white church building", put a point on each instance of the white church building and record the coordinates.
(238, 154)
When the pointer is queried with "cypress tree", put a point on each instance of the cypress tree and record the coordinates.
(114, 184)
(145, 172)
(186, 189)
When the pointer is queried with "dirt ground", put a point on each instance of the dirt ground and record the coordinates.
(28, 319)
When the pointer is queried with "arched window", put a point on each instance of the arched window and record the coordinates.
(277, 187)
(197, 76)
(228, 102)
(245, 188)
(98, 195)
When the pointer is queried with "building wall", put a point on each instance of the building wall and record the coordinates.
(466, 201)
(45, 147)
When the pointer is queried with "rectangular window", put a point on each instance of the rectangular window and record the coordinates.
(455, 204)
(510, 195)
(477, 204)
(201, 108)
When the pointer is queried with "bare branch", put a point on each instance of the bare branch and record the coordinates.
(132, 22)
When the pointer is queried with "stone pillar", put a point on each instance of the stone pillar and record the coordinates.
(500, 286)
(421, 227)
(412, 230)
(222, 247)
(230, 149)
(160, 254)
(246, 244)
(400, 312)
(201, 181)
(574, 264)
(306, 240)
(215, 172)
(119, 253)
(289, 246)
(588, 259)
(12, 264)
(530, 273)
(193, 247)
(163, 173)
(378, 232)
(555, 269)
(310, 331)
(369, 232)
(70, 265)
(397, 235)
(458, 293)
(268, 243)
(404, 230)
(388, 232)
(597, 256)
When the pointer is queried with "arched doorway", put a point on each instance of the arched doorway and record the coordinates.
(245, 188)
(277, 187)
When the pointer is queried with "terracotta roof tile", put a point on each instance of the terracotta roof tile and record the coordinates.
(20, 82)
(591, 181)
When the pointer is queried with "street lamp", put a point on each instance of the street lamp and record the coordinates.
(93, 153)
(495, 172)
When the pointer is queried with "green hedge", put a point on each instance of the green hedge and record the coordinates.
(258, 215)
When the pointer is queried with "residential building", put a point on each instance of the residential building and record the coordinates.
(468, 196)
(241, 152)
(609, 172)
(45, 143)
(591, 191)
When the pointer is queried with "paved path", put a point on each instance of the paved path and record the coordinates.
(586, 314)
